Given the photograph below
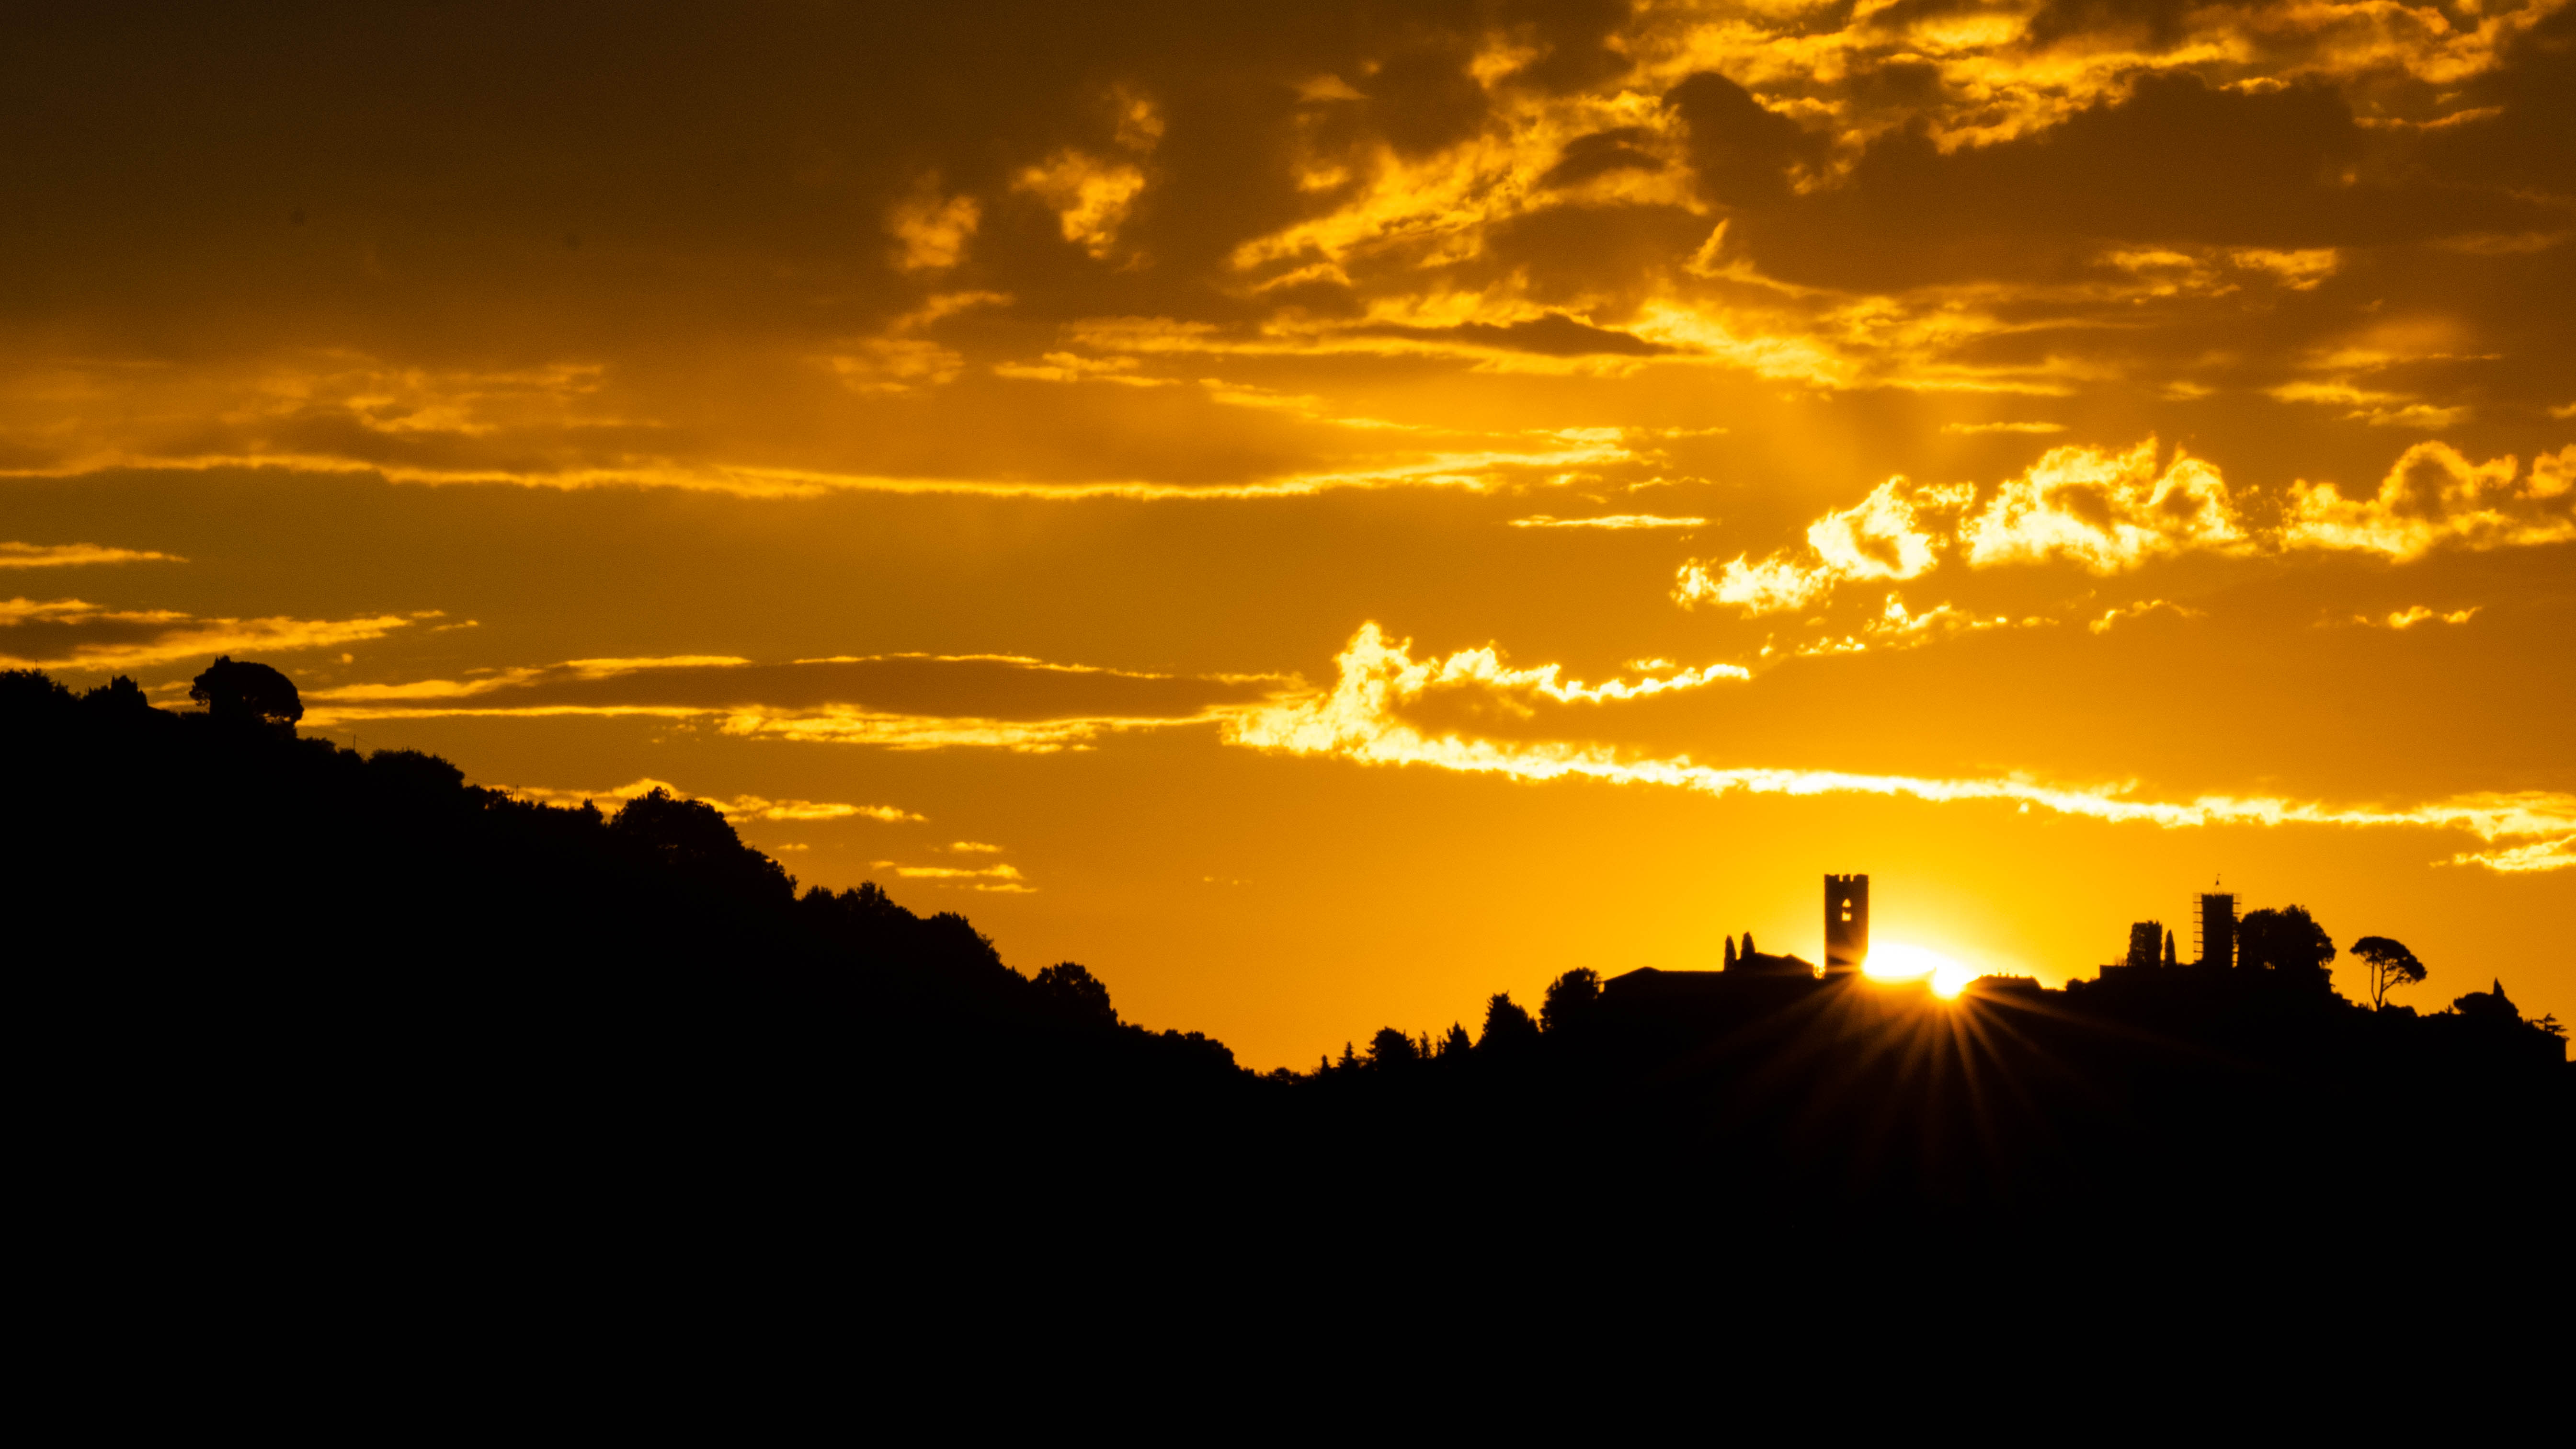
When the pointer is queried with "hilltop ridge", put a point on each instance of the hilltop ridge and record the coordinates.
(241, 925)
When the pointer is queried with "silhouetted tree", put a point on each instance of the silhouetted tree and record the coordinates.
(1391, 1048)
(1455, 1043)
(1730, 953)
(1507, 1025)
(124, 694)
(2391, 965)
(1570, 998)
(250, 693)
(694, 836)
(2169, 947)
(1071, 993)
(2287, 941)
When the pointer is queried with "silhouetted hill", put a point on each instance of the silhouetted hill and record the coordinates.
(235, 936)
(255, 960)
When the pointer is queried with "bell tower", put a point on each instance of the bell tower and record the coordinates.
(1846, 923)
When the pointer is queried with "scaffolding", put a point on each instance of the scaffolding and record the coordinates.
(2213, 928)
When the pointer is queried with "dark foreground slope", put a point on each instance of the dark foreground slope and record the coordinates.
(253, 962)
(283, 992)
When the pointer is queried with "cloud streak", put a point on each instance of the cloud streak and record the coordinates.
(73, 634)
(738, 807)
(1359, 720)
(889, 701)
(75, 555)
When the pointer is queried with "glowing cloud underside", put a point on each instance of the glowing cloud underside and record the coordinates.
(1357, 720)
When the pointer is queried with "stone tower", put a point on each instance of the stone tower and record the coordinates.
(2213, 921)
(1846, 923)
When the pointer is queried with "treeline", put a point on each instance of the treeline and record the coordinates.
(279, 882)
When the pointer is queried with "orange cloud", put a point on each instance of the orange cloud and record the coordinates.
(76, 635)
(1358, 720)
(2410, 617)
(74, 555)
(739, 807)
(1884, 536)
(891, 701)
(2109, 512)
(2435, 498)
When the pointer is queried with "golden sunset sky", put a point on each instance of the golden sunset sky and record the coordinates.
(1322, 512)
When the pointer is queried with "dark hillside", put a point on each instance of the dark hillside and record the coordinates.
(259, 966)
(249, 953)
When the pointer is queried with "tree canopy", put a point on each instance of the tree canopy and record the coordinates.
(1071, 993)
(251, 693)
(2390, 965)
(2287, 940)
(1507, 1024)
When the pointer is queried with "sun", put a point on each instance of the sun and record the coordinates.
(1899, 961)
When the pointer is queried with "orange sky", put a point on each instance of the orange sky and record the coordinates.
(1325, 512)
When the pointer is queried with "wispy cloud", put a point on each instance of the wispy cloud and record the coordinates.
(2123, 613)
(992, 879)
(891, 701)
(1609, 521)
(2408, 618)
(74, 634)
(739, 807)
(75, 555)
(1358, 720)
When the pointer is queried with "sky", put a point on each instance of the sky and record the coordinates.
(1324, 512)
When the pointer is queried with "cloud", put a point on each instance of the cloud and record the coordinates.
(73, 634)
(74, 555)
(1884, 536)
(2111, 512)
(2408, 618)
(2107, 511)
(994, 879)
(1088, 195)
(739, 807)
(1485, 670)
(2121, 613)
(933, 229)
(2434, 497)
(1359, 720)
(2539, 855)
(1609, 521)
(1974, 428)
(2024, 200)
(893, 701)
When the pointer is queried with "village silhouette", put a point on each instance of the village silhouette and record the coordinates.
(269, 958)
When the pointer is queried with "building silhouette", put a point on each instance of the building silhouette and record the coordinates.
(2146, 943)
(2213, 928)
(1846, 923)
